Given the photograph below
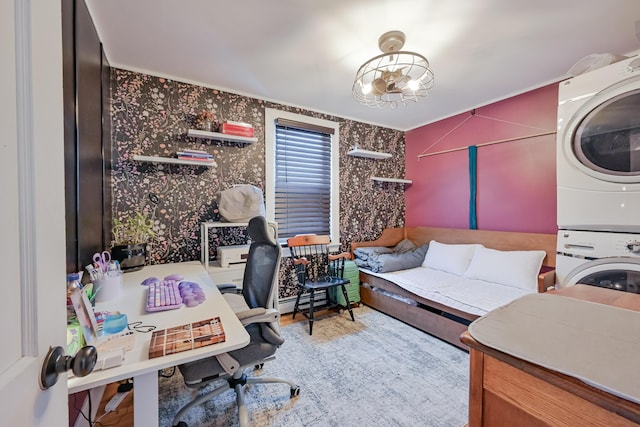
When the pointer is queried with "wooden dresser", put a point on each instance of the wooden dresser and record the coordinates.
(508, 391)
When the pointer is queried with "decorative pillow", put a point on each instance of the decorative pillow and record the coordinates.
(518, 269)
(453, 259)
(405, 245)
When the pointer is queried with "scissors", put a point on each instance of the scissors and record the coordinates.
(102, 259)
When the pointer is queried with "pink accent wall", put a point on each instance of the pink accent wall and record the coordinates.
(516, 180)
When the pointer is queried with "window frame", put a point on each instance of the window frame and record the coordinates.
(271, 115)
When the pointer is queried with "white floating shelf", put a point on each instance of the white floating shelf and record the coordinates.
(196, 133)
(402, 181)
(173, 161)
(358, 152)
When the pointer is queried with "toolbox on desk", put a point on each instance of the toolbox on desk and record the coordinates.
(351, 273)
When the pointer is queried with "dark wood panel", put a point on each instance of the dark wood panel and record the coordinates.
(89, 135)
(107, 151)
(87, 141)
(70, 152)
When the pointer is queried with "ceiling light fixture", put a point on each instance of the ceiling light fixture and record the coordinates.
(394, 77)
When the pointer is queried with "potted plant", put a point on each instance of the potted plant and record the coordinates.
(207, 121)
(130, 238)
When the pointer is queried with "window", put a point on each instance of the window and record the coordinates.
(302, 174)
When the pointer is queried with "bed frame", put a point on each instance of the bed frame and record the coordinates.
(436, 319)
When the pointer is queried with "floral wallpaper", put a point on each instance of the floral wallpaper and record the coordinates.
(151, 116)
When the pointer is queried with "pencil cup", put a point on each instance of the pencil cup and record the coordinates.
(108, 288)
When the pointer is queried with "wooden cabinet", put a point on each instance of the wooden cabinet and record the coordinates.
(508, 391)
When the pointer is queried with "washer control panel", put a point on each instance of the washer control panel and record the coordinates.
(634, 246)
(598, 244)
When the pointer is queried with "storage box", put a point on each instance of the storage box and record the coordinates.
(351, 273)
(234, 274)
(233, 254)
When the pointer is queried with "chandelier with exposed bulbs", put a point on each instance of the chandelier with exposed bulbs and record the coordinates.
(393, 78)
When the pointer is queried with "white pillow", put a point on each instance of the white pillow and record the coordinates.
(518, 269)
(453, 259)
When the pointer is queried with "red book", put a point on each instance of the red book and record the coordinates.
(234, 123)
(236, 130)
(197, 159)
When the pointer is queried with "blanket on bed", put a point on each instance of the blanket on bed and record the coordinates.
(380, 259)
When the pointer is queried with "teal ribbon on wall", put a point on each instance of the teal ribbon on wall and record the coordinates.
(473, 183)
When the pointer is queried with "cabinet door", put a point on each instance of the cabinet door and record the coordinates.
(87, 206)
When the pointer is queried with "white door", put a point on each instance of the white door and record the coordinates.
(32, 248)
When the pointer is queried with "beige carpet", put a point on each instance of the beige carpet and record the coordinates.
(375, 371)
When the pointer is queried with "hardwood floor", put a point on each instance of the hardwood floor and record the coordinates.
(122, 416)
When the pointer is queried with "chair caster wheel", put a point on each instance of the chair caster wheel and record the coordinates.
(295, 391)
(181, 424)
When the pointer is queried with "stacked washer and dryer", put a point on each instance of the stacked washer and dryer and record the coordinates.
(598, 177)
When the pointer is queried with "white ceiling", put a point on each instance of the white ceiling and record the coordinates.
(306, 53)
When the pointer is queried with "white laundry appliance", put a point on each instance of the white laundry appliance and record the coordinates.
(604, 259)
(598, 149)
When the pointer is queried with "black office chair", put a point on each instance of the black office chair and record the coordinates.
(257, 309)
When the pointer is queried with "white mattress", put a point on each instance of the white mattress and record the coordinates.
(471, 296)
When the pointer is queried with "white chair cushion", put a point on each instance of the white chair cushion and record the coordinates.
(453, 259)
(519, 269)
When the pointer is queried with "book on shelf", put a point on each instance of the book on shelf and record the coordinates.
(189, 150)
(235, 123)
(197, 159)
(195, 155)
(229, 129)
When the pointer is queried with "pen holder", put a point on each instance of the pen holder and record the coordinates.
(108, 288)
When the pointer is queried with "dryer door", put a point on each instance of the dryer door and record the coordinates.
(622, 274)
(608, 138)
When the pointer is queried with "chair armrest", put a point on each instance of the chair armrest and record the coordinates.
(546, 279)
(345, 255)
(302, 260)
(258, 315)
(228, 288)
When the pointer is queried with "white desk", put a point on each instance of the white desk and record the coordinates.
(137, 364)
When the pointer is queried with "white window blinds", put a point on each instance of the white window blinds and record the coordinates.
(302, 178)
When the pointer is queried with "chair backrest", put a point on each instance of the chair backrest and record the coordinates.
(315, 249)
(260, 282)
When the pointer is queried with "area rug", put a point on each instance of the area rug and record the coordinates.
(376, 371)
